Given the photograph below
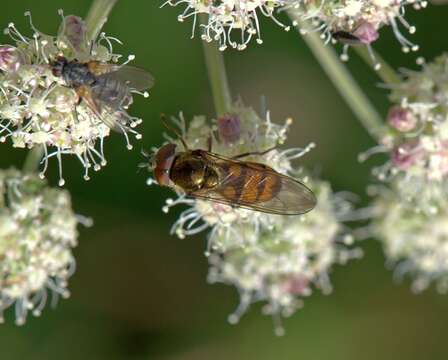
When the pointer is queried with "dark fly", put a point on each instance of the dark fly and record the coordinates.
(103, 86)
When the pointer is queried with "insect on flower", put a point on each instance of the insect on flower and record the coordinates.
(251, 185)
(66, 92)
(103, 85)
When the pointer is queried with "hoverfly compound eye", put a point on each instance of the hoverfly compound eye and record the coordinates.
(162, 165)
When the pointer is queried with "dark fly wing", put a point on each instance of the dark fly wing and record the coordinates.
(97, 108)
(257, 187)
(108, 91)
(133, 77)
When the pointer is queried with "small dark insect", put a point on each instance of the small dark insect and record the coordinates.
(205, 175)
(346, 38)
(102, 85)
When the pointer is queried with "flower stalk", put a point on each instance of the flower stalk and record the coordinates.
(97, 17)
(343, 81)
(33, 159)
(217, 75)
(387, 74)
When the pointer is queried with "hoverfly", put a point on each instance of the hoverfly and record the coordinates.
(205, 175)
(102, 85)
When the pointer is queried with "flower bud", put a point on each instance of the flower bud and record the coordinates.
(74, 29)
(401, 119)
(407, 154)
(10, 58)
(229, 128)
(366, 33)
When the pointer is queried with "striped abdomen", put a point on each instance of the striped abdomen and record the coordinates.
(250, 183)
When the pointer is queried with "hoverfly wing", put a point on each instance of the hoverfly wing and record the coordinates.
(257, 187)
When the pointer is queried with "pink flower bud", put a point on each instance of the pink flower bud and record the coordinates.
(298, 285)
(229, 128)
(10, 58)
(407, 154)
(74, 29)
(401, 119)
(366, 33)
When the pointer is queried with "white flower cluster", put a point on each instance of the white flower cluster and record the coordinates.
(37, 234)
(269, 258)
(355, 22)
(414, 241)
(417, 137)
(224, 16)
(38, 109)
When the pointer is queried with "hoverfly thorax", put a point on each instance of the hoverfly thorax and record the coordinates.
(162, 164)
(192, 172)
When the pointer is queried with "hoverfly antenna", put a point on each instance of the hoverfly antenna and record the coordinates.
(149, 164)
(145, 154)
(169, 127)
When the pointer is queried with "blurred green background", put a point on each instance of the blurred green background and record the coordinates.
(139, 293)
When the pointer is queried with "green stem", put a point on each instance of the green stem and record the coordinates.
(217, 76)
(97, 17)
(33, 159)
(343, 81)
(385, 71)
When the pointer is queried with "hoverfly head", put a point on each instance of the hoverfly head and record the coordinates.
(162, 162)
(149, 164)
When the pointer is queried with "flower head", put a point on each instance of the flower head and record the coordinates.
(224, 17)
(414, 241)
(356, 22)
(38, 108)
(417, 137)
(270, 258)
(37, 234)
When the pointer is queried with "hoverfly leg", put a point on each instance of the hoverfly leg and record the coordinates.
(254, 153)
(209, 143)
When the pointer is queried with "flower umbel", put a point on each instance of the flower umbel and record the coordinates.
(356, 22)
(226, 16)
(37, 108)
(37, 234)
(269, 258)
(417, 140)
(414, 242)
